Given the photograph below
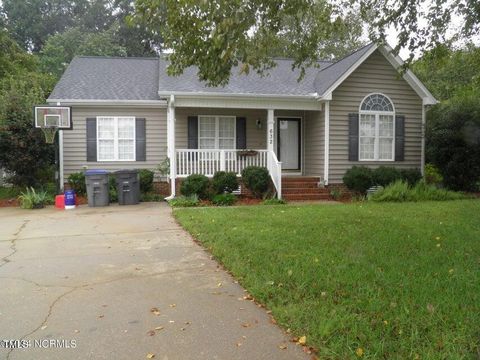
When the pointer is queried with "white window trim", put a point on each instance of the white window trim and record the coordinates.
(115, 139)
(217, 130)
(376, 147)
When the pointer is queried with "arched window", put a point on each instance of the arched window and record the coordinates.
(377, 127)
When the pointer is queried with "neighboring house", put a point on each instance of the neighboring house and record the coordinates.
(361, 110)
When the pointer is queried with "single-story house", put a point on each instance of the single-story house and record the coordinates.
(360, 110)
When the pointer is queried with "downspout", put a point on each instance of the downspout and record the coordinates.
(171, 145)
(326, 164)
(424, 122)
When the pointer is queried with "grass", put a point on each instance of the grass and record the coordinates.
(397, 280)
(401, 191)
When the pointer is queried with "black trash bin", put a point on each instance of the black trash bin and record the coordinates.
(128, 187)
(97, 187)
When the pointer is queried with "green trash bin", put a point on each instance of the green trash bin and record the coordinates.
(97, 188)
(128, 187)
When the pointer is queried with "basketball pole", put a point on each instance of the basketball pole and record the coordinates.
(60, 159)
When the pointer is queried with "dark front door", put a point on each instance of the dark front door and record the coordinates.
(289, 140)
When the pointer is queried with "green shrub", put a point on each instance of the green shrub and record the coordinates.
(146, 180)
(32, 199)
(432, 175)
(359, 179)
(151, 197)
(76, 181)
(112, 188)
(400, 191)
(411, 176)
(224, 182)
(195, 184)
(385, 175)
(256, 179)
(164, 167)
(184, 201)
(336, 194)
(274, 201)
(224, 199)
(452, 142)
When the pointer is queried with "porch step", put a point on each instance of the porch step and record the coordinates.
(304, 190)
(299, 185)
(289, 179)
(303, 197)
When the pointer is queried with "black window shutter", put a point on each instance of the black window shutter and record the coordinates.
(353, 137)
(241, 133)
(140, 139)
(399, 138)
(193, 132)
(91, 139)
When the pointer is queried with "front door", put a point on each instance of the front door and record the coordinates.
(289, 133)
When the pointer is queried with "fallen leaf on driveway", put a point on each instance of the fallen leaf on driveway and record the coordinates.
(282, 346)
(159, 328)
(101, 316)
(239, 344)
(219, 284)
(246, 325)
(155, 311)
(173, 305)
(151, 333)
(43, 327)
(150, 356)
(302, 340)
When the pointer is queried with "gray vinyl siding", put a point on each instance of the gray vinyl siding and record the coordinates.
(75, 151)
(314, 129)
(256, 138)
(376, 74)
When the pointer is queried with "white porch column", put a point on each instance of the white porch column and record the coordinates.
(171, 144)
(270, 130)
(327, 142)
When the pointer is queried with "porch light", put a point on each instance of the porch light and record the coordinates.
(259, 124)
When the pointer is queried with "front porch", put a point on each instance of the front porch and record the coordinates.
(204, 140)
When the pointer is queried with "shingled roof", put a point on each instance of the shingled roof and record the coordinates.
(117, 78)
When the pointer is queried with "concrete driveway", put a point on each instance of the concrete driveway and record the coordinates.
(122, 283)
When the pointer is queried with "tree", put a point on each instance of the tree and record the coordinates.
(60, 49)
(12, 58)
(23, 151)
(453, 140)
(420, 25)
(446, 71)
(220, 34)
(30, 22)
(216, 35)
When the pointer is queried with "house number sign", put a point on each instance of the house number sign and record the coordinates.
(270, 136)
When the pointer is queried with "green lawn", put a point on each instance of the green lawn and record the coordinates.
(399, 281)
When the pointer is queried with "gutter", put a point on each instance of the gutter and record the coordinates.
(94, 102)
(167, 94)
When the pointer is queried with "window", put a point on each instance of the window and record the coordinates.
(377, 124)
(216, 132)
(115, 138)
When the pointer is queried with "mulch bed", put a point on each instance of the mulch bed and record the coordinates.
(9, 202)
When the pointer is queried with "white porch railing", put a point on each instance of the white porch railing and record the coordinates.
(208, 161)
(275, 169)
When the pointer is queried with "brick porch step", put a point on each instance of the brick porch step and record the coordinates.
(304, 190)
(299, 184)
(301, 197)
(289, 179)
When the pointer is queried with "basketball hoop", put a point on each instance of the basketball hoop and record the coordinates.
(50, 119)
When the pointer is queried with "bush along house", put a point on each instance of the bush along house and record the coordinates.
(360, 110)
